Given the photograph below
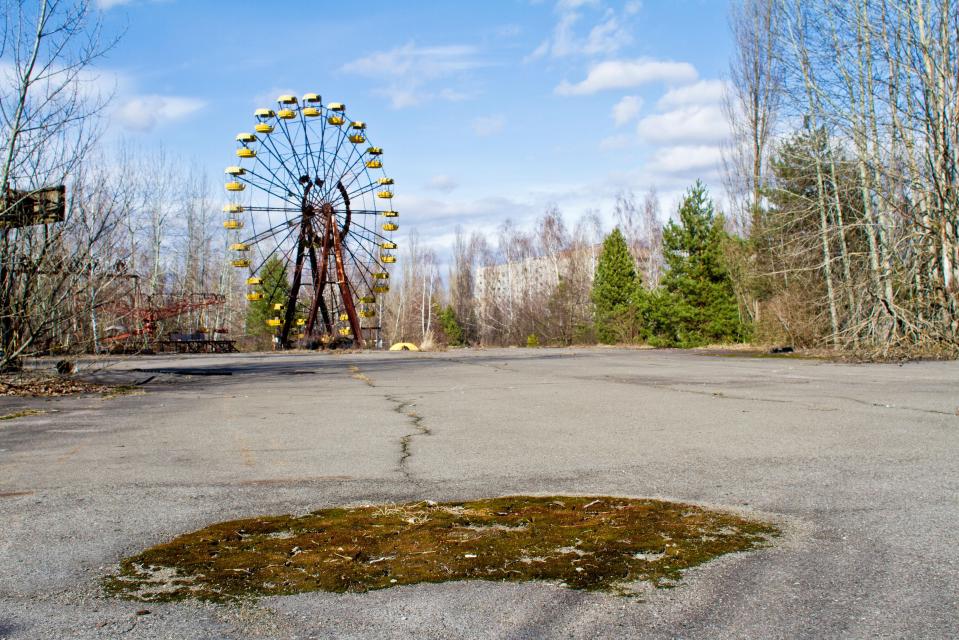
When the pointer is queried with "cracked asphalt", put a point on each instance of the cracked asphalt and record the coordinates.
(857, 463)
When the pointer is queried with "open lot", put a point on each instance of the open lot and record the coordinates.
(858, 464)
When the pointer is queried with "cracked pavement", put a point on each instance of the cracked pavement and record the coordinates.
(856, 462)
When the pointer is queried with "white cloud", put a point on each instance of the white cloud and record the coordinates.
(702, 92)
(411, 59)
(693, 124)
(412, 68)
(626, 74)
(605, 38)
(685, 158)
(441, 183)
(144, 112)
(488, 125)
(627, 109)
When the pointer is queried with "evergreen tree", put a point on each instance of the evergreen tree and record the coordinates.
(275, 288)
(451, 327)
(696, 304)
(617, 293)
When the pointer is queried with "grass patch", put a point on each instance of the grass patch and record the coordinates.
(591, 543)
(23, 413)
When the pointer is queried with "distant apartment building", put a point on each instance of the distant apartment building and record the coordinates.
(538, 273)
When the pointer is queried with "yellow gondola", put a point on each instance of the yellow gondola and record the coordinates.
(390, 226)
(386, 195)
(344, 317)
(232, 224)
(336, 120)
(382, 275)
(310, 112)
(264, 113)
(357, 138)
(286, 99)
(232, 208)
(381, 288)
(254, 281)
(235, 186)
(375, 151)
(368, 314)
(240, 262)
(254, 296)
(263, 127)
(387, 259)
(245, 152)
(300, 322)
(235, 171)
(385, 181)
(278, 306)
(336, 106)
(368, 299)
(274, 322)
(374, 164)
(239, 246)
(286, 114)
(391, 214)
(245, 137)
(387, 245)
(312, 97)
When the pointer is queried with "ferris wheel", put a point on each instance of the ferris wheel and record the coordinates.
(309, 190)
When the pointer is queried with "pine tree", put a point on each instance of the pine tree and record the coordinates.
(451, 326)
(696, 304)
(617, 293)
(276, 289)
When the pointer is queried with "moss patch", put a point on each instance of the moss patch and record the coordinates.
(23, 413)
(593, 543)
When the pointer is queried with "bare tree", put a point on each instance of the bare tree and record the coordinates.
(751, 102)
(48, 113)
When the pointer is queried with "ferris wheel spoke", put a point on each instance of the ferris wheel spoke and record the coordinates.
(372, 232)
(275, 248)
(329, 167)
(310, 171)
(347, 166)
(264, 186)
(364, 190)
(296, 158)
(275, 153)
(268, 233)
(357, 175)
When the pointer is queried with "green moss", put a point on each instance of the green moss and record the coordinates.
(592, 543)
(23, 413)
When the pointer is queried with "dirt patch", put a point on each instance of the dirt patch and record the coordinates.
(591, 543)
(38, 385)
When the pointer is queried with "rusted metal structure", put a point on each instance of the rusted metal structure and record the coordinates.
(144, 319)
(308, 191)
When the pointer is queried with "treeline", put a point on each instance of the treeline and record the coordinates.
(640, 283)
(139, 225)
(842, 176)
(843, 168)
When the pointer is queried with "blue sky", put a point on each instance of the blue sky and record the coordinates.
(486, 110)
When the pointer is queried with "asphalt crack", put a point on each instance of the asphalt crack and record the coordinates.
(419, 429)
